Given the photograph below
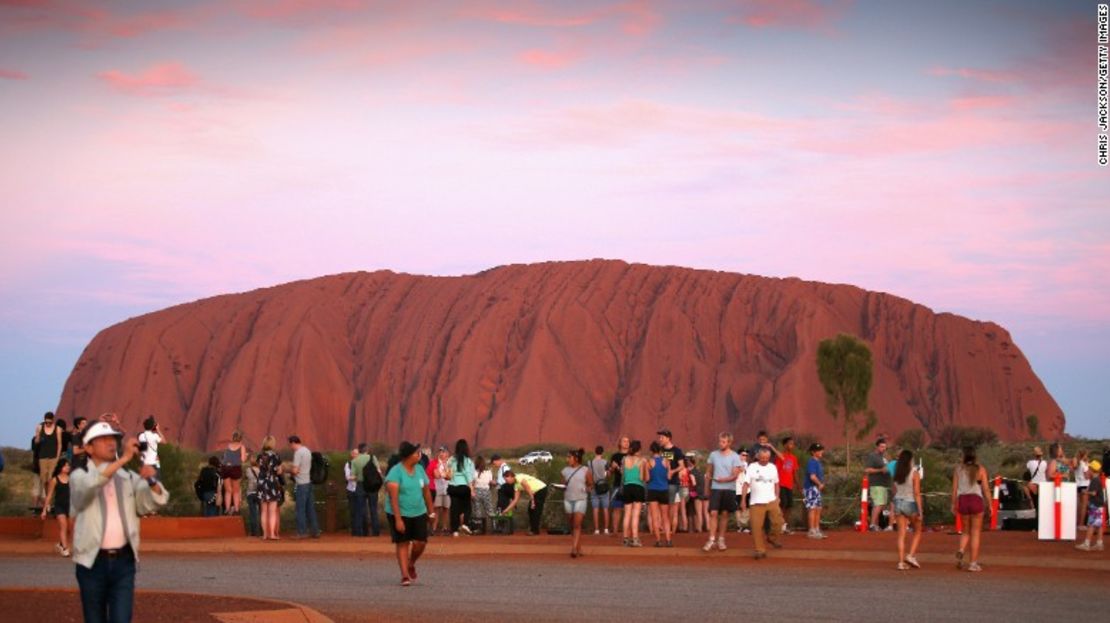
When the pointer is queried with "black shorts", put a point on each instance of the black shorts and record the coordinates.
(416, 529)
(632, 493)
(723, 500)
(661, 497)
(786, 497)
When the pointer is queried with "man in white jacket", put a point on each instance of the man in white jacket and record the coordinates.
(107, 501)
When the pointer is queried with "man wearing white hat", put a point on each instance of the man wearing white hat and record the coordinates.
(107, 501)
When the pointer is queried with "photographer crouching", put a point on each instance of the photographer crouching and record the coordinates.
(107, 501)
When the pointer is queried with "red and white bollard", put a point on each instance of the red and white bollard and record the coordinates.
(995, 502)
(1058, 507)
(863, 506)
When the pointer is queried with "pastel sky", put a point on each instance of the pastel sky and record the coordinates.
(156, 152)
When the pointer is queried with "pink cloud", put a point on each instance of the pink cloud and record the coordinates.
(972, 73)
(528, 14)
(97, 21)
(1062, 59)
(798, 14)
(300, 10)
(12, 74)
(162, 79)
(632, 17)
(547, 59)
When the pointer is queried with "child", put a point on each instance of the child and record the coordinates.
(814, 485)
(1096, 508)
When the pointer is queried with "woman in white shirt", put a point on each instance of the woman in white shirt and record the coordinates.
(1082, 481)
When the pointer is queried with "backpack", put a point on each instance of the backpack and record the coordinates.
(318, 472)
(371, 477)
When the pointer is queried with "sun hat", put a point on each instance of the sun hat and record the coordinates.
(100, 429)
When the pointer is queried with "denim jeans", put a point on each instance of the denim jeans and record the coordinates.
(108, 589)
(254, 511)
(306, 510)
(357, 499)
(375, 520)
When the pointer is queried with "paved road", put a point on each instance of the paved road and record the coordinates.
(552, 589)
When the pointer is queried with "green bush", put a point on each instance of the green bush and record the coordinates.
(180, 468)
(957, 437)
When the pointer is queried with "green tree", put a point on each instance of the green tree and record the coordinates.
(846, 372)
(1033, 423)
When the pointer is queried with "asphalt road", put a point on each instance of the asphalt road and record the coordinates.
(548, 588)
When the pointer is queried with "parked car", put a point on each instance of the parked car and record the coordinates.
(539, 456)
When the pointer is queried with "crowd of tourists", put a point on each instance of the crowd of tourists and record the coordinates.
(632, 492)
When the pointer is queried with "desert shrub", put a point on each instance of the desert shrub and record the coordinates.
(955, 437)
(911, 439)
(180, 467)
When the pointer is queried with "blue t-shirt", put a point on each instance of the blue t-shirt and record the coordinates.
(410, 497)
(657, 476)
(814, 467)
(723, 466)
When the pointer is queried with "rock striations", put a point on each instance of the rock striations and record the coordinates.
(556, 352)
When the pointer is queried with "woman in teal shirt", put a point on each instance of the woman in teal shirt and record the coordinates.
(410, 507)
(634, 472)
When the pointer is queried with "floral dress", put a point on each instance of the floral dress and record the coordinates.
(269, 481)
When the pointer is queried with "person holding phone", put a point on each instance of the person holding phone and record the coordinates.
(107, 501)
(149, 440)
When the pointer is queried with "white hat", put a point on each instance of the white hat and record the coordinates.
(100, 429)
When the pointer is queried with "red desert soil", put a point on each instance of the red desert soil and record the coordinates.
(61, 606)
(573, 352)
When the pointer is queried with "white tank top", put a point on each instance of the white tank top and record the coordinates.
(1081, 475)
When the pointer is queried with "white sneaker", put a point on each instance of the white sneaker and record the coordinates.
(721, 545)
(822, 534)
(709, 545)
(888, 529)
(1084, 546)
(65, 553)
(1097, 547)
(597, 533)
(465, 529)
(814, 535)
(58, 548)
(607, 532)
(455, 534)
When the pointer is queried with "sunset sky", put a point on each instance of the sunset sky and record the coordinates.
(153, 153)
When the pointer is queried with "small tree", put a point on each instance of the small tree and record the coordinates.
(1033, 423)
(845, 370)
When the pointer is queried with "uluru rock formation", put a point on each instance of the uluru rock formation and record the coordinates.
(556, 352)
